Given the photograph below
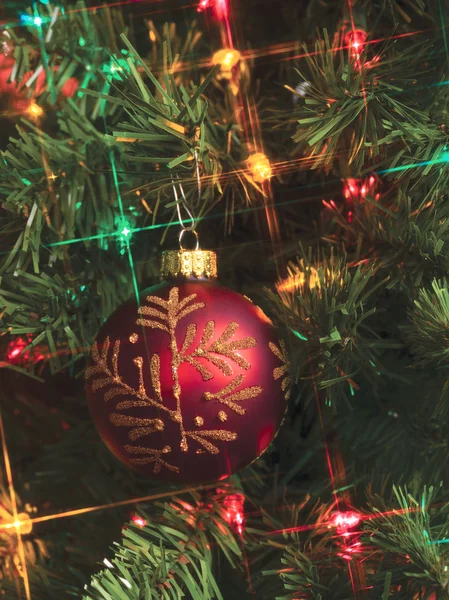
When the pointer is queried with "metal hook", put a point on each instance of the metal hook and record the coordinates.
(186, 208)
(195, 233)
(183, 201)
(198, 176)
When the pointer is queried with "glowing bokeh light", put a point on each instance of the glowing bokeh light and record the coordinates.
(260, 167)
(343, 521)
(235, 516)
(227, 58)
(34, 111)
(139, 521)
(22, 523)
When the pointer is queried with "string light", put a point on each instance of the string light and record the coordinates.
(227, 59)
(203, 4)
(260, 167)
(344, 521)
(22, 523)
(300, 279)
(305, 278)
(234, 506)
(358, 189)
(16, 355)
(355, 39)
(220, 7)
(139, 521)
(34, 111)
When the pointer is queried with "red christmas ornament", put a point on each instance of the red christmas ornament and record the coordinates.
(191, 384)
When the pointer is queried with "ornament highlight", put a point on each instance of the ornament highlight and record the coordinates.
(191, 384)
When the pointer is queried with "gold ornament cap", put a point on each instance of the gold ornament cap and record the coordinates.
(189, 263)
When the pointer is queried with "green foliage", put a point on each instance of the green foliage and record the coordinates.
(351, 115)
(165, 125)
(67, 44)
(428, 328)
(405, 238)
(327, 306)
(171, 558)
(413, 541)
(136, 122)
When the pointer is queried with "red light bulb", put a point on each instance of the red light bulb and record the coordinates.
(234, 504)
(343, 521)
(203, 4)
(355, 39)
(220, 7)
(139, 521)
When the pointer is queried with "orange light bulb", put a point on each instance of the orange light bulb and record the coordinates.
(34, 111)
(260, 167)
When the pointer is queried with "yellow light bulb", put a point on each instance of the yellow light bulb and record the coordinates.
(260, 167)
(227, 59)
(22, 523)
(34, 111)
(305, 278)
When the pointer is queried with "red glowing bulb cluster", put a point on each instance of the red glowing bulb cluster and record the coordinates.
(344, 521)
(220, 7)
(355, 39)
(15, 354)
(357, 189)
(235, 516)
(139, 521)
(203, 5)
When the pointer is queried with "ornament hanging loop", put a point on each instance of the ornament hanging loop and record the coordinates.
(183, 202)
(195, 233)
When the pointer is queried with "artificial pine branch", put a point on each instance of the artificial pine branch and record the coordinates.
(165, 123)
(351, 114)
(66, 44)
(406, 238)
(169, 558)
(427, 330)
(328, 306)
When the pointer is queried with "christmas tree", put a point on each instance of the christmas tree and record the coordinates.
(305, 144)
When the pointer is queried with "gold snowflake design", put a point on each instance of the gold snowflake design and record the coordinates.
(222, 353)
(284, 370)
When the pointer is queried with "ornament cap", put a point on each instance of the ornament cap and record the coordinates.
(189, 263)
